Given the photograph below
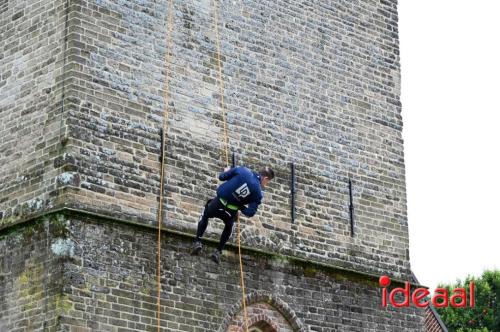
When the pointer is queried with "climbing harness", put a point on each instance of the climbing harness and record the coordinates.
(229, 206)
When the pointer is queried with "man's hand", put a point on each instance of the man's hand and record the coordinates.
(227, 174)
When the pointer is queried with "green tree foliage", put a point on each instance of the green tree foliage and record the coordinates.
(485, 316)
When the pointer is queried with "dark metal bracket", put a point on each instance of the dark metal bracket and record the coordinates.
(162, 142)
(292, 191)
(351, 207)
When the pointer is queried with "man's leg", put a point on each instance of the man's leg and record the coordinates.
(203, 223)
(229, 220)
(208, 212)
(226, 233)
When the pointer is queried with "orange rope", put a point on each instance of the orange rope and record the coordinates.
(242, 279)
(164, 133)
(226, 148)
(221, 85)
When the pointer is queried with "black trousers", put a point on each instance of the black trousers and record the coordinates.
(215, 209)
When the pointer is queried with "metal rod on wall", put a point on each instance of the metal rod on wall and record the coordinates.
(162, 142)
(351, 207)
(292, 186)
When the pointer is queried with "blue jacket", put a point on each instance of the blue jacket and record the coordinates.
(242, 187)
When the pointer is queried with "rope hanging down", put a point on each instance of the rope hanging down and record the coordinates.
(221, 86)
(226, 149)
(164, 134)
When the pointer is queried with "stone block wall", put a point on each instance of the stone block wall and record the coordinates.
(101, 276)
(31, 94)
(82, 101)
(31, 276)
(316, 84)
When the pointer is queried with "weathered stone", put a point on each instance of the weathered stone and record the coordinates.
(82, 100)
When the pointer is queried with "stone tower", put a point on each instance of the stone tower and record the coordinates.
(82, 101)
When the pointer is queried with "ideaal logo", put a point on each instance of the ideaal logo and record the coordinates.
(440, 298)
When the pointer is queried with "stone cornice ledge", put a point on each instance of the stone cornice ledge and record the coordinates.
(310, 266)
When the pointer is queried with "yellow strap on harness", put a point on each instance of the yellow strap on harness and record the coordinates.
(229, 206)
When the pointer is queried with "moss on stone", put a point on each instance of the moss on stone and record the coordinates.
(63, 303)
(310, 271)
(8, 221)
(31, 286)
(58, 225)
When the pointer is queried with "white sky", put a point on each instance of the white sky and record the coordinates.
(450, 58)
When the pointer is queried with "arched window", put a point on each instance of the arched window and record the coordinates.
(261, 326)
(263, 315)
(255, 329)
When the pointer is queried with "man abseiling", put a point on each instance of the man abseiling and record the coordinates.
(241, 191)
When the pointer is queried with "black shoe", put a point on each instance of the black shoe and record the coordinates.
(196, 248)
(216, 256)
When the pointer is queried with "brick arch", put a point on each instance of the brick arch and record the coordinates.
(259, 300)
